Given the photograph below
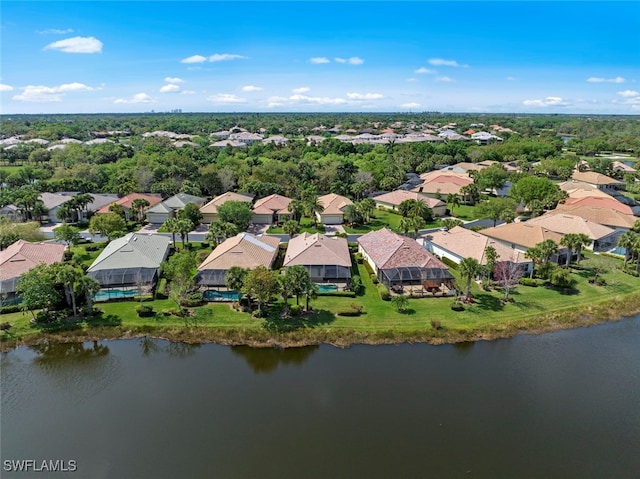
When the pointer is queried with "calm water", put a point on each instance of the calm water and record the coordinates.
(561, 405)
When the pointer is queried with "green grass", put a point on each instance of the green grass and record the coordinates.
(465, 212)
(384, 218)
(306, 226)
(532, 308)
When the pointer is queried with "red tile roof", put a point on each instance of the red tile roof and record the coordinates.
(21, 256)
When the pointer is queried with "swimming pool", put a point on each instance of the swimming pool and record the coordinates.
(327, 288)
(107, 294)
(619, 250)
(212, 295)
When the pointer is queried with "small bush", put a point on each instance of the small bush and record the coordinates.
(13, 308)
(384, 293)
(92, 247)
(295, 310)
(435, 324)
(343, 294)
(354, 309)
(68, 255)
(5, 326)
(374, 278)
(356, 285)
(457, 306)
(201, 256)
(359, 258)
(528, 282)
(193, 300)
(145, 311)
(449, 263)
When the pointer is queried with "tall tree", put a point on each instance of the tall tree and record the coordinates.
(67, 233)
(469, 269)
(109, 224)
(180, 270)
(138, 206)
(298, 277)
(261, 284)
(234, 279)
(237, 212)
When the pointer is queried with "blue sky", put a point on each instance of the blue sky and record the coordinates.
(378, 56)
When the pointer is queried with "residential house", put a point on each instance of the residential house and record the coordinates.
(442, 182)
(522, 236)
(243, 250)
(19, 258)
(271, 210)
(600, 181)
(603, 202)
(127, 201)
(459, 243)
(168, 208)
(400, 262)
(326, 258)
(393, 199)
(603, 216)
(210, 210)
(333, 212)
(484, 138)
(602, 237)
(623, 167)
(53, 201)
(132, 261)
(11, 212)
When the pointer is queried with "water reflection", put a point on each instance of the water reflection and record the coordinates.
(150, 346)
(464, 347)
(267, 360)
(82, 370)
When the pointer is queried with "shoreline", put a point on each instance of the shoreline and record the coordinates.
(552, 321)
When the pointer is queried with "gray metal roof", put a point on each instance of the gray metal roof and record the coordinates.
(133, 251)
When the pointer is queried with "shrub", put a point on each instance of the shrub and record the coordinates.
(13, 308)
(356, 285)
(201, 255)
(92, 247)
(193, 300)
(374, 278)
(68, 254)
(354, 309)
(295, 310)
(342, 294)
(528, 282)
(359, 258)
(449, 263)
(457, 306)
(367, 267)
(161, 290)
(383, 291)
(435, 324)
(145, 311)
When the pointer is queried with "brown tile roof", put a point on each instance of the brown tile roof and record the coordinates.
(126, 201)
(398, 196)
(334, 204)
(602, 216)
(571, 185)
(21, 256)
(522, 234)
(391, 250)
(596, 202)
(317, 249)
(212, 206)
(565, 223)
(244, 250)
(471, 244)
(594, 178)
(272, 204)
(443, 182)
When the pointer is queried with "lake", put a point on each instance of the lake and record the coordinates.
(563, 404)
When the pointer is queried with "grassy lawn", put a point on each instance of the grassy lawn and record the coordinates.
(384, 217)
(488, 313)
(465, 212)
(306, 226)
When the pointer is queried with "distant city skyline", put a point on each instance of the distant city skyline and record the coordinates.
(292, 56)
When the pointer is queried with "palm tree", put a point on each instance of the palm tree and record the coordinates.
(310, 291)
(469, 269)
(548, 248)
(353, 214)
(367, 207)
(297, 209)
(405, 224)
(234, 279)
(171, 225)
(453, 200)
(312, 207)
(184, 226)
(138, 205)
(574, 242)
(65, 212)
(220, 231)
(417, 224)
(491, 257)
(299, 279)
(535, 254)
(626, 241)
(82, 200)
(291, 227)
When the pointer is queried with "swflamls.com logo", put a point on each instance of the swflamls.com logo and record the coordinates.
(33, 465)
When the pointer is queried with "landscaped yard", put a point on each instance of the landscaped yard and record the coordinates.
(384, 218)
(380, 320)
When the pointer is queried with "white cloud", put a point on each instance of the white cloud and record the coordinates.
(170, 88)
(510, 79)
(4, 87)
(302, 89)
(45, 94)
(225, 98)
(77, 45)
(319, 60)
(55, 31)
(445, 79)
(251, 88)
(298, 99)
(173, 80)
(222, 57)
(425, 71)
(548, 101)
(350, 61)
(410, 105)
(412, 80)
(630, 97)
(628, 93)
(365, 96)
(194, 59)
(137, 98)
(187, 92)
(606, 80)
(441, 62)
